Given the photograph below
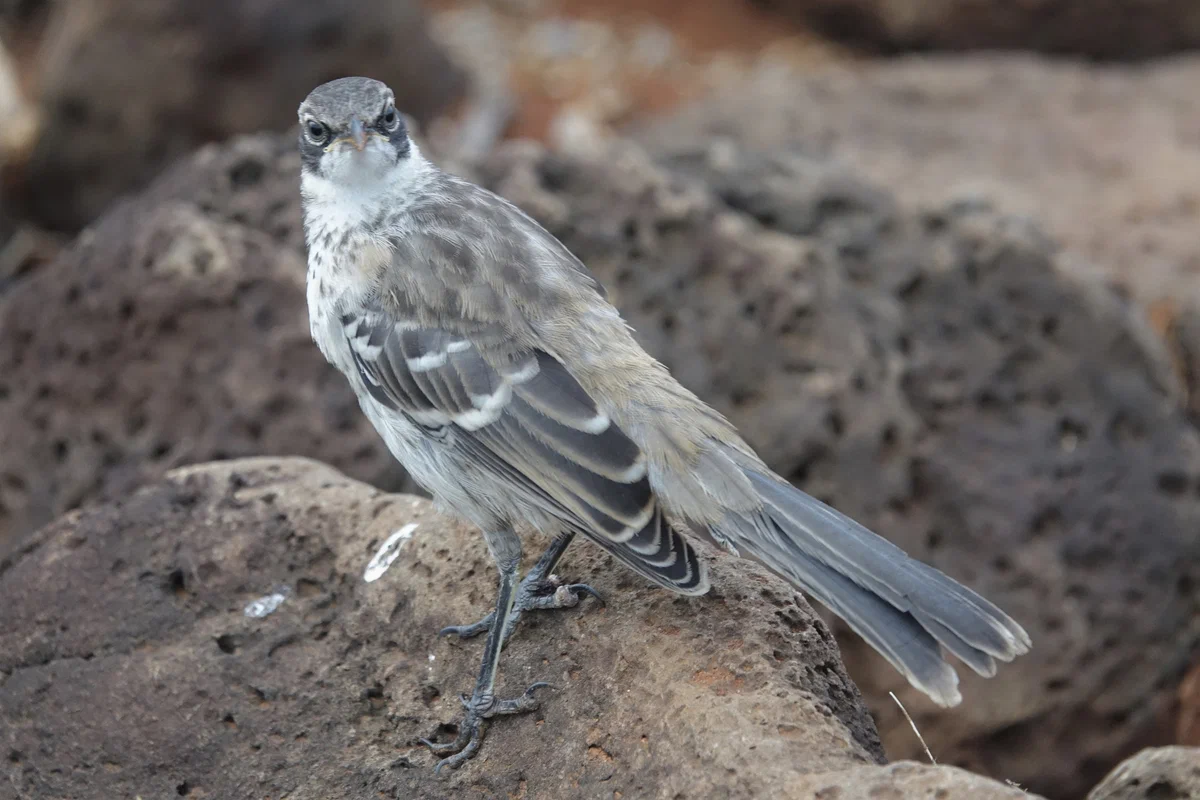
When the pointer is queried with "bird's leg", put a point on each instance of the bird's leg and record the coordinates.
(539, 590)
(483, 704)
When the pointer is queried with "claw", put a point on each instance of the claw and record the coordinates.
(539, 590)
(526, 702)
(467, 631)
(460, 741)
(532, 596)
(470, 733)
(458, 759)
(582, 588)
(437, 748)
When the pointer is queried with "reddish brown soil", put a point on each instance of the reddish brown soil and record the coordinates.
(735, 32)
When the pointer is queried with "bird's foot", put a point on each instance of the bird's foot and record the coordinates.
(470, 732)
(536, 592)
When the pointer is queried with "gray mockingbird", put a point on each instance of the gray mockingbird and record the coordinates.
(491, 363)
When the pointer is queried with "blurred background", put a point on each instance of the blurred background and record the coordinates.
(938, 259)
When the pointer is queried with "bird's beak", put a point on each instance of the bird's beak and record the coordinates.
(358, 134)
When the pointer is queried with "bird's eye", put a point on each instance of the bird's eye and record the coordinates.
(390, 119)
(317, 133)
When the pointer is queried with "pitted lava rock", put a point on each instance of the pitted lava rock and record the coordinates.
(131, 666)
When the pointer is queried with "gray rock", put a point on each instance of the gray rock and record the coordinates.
(1114, 29)
(1156, 773)
(1183, 337)
(172, 333)
(135, 663)
(127, 86)
(1102, 157)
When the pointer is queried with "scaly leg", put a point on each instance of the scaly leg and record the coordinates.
(538, 591)
(483, 704)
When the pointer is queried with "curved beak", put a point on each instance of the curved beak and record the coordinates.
(358, 134)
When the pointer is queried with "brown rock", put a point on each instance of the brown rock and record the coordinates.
(1103, 158)
(1116, 29)
(126, 86)
(130, 666)
(1157, 773)
(941, 378)
(1187, 730)
(906, 779)
(1182, 332)
(171, 334)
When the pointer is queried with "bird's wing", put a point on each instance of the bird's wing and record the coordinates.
(518, 415)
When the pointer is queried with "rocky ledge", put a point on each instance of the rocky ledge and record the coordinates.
(215, 635)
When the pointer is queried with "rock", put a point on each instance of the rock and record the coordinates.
(16, 15)
(1156, 773)
(141, 658)
(1104, 158)
(1183, 336)
(1112, 29)
(908, 780)
(17, 134)
(172, 333)
(127, 86)
(942, 378)
(1188, 730)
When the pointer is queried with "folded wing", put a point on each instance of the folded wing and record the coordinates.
(520, 415)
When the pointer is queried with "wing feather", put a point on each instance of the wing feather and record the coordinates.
(520, 416)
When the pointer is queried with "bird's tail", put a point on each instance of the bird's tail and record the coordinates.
(900, 606)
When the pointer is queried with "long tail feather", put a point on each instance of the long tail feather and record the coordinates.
(903, 608)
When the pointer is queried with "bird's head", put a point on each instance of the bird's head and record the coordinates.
(351, 132)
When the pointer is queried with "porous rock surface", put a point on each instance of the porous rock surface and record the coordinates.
(1104, 158)
(172, 332)
(1156, 773)
(1111, 29)
(130, 664)
(127, 86)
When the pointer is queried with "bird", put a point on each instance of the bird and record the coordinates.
(490, 361)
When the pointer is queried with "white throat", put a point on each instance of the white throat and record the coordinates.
(347, 225)
(356, 197)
